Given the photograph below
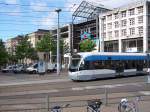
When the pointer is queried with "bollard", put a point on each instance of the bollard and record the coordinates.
(48, 103)
(106, 96)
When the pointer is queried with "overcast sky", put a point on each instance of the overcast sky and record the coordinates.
(25, 16)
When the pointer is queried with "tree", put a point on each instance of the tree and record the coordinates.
(46, 44)
(24, 49)
(49, 43)
(3, 54)
(87, 45)
(32, 54)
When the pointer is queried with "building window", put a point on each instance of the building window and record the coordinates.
(116, 33)
(140, 30)
(109, 17)
(132, 31)
(104, 35)
(109, 25)
(131, 12)
(148, 30)
(132, 21)
(116, 24)
(104, 27)
(140, 10)
(124, 23)
(140, 19)
(116, 15)
(110, 34)
(39, 37)
(123, 14)
(123, 32)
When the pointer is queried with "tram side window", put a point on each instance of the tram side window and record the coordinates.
(87, 65)
(107, 64)
(139, 65)
(130, 64)
(91, 65)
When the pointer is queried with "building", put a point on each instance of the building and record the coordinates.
(36, 36)
(65, 35)
(126, 29)
(12, 43)
(85, 21)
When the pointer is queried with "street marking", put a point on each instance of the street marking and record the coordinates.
(94, 87)
(77, 88)
(34, 82)
(144, 92)
(30, 92)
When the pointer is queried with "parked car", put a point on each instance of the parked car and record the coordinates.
(20, 69)
(52, 67)
(32, 69)
(8, 69)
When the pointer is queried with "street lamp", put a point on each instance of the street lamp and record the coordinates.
(58, 49)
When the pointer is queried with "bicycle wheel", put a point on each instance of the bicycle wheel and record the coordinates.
(121, 108)
(130, 108)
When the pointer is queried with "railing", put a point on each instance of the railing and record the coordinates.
(74, 103)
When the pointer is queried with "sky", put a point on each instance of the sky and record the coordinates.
(19, 17)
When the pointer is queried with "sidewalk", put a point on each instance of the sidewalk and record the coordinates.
(10, 78)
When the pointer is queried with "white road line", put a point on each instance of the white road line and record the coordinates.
(34, 82)
(105, 86)
(144, 92)
(30, 92)
(78, 88)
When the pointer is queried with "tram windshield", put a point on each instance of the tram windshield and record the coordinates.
(74, 65)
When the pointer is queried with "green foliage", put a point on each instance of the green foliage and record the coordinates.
(12, 58)
(46, 44)
(24, 50)
(32, 54)
(3, 54)
(87, 45)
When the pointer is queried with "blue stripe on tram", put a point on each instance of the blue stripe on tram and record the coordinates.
(97, 57)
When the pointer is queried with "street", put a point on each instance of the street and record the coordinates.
(21, 88)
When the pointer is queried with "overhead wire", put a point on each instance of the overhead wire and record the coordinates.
(2, 3)
(22, 22)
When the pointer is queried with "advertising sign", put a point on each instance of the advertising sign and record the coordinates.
(41, 67)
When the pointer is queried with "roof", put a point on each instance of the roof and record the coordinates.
(89, 10)
(126, 7)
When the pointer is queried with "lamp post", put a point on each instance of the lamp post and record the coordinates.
(58, 48)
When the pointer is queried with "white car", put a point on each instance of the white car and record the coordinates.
(32, 69)
(8, 69)
(52, 67)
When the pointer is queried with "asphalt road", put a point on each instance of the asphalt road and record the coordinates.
(66, 87)
(33, 91)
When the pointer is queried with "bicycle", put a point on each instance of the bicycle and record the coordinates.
(126, 106)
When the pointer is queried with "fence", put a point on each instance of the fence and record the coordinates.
(86, 103)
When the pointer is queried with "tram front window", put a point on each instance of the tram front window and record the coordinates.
(74, 65)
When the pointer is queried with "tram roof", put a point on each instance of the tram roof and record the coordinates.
(85, 54)
(113, 56)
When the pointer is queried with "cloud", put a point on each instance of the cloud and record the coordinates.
(11, 1)
(72, 5)
(12, 9)
(48, 21)
(38, 6)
